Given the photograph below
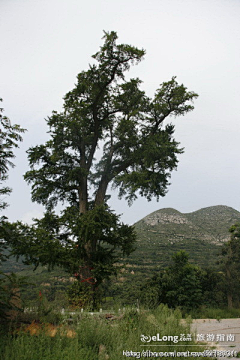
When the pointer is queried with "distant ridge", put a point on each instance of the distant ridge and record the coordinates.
(167, 230)
(210, 223)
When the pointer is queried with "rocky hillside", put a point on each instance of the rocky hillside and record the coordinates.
(210, 224)
(200, 233)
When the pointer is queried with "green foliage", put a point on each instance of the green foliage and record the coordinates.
(60, 240)
(10, 301)
(214, 313)
(9, 138)
(211, 284)
(99, 338)
(185, 287)
(9, 284)
(181, 285)
(80, 296)
(4, 236)
(230, 263)
(166, 231)
(44, 312)
(138, 154)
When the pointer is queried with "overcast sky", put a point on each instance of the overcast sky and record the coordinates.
(46, 43)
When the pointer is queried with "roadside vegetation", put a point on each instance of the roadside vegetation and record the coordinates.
(91, 337)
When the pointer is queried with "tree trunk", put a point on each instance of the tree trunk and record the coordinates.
(89, 283)
(83, 196)
(230, 300)
(86, 271)
(101, 192)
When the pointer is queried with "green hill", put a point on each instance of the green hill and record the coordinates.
(166, 231)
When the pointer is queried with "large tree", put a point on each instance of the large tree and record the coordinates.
(109, 133)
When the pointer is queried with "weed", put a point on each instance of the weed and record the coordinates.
(97, 338)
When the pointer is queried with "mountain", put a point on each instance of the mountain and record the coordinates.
(166, 231)
(210, 224)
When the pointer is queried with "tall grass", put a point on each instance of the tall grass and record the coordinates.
(97, 338)
(212, 313)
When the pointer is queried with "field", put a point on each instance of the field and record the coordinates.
(98, 336)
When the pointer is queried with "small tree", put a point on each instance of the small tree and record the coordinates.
(10, 136)
(231, 266)
(136, 155)
(179, 285)
(9, 284)
(182, 282)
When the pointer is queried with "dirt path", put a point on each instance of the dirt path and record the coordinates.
(224, 334)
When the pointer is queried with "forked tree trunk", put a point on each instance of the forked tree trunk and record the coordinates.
(86, 272)
(101, 192)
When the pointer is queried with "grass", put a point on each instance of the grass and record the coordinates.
(98, 338)
(211, 313)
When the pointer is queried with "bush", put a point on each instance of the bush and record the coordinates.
(10, 301)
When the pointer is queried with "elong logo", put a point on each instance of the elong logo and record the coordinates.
(170, 338)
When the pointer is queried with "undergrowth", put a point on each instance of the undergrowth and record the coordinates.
(211, 313)
(97, 337)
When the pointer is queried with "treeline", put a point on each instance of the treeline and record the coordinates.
(189, 286)
(182, 284)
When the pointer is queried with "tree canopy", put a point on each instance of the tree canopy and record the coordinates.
(104, 109)
(10, 136)
(110, 133)
(230, 261)
(177, 285)
(184, 285)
